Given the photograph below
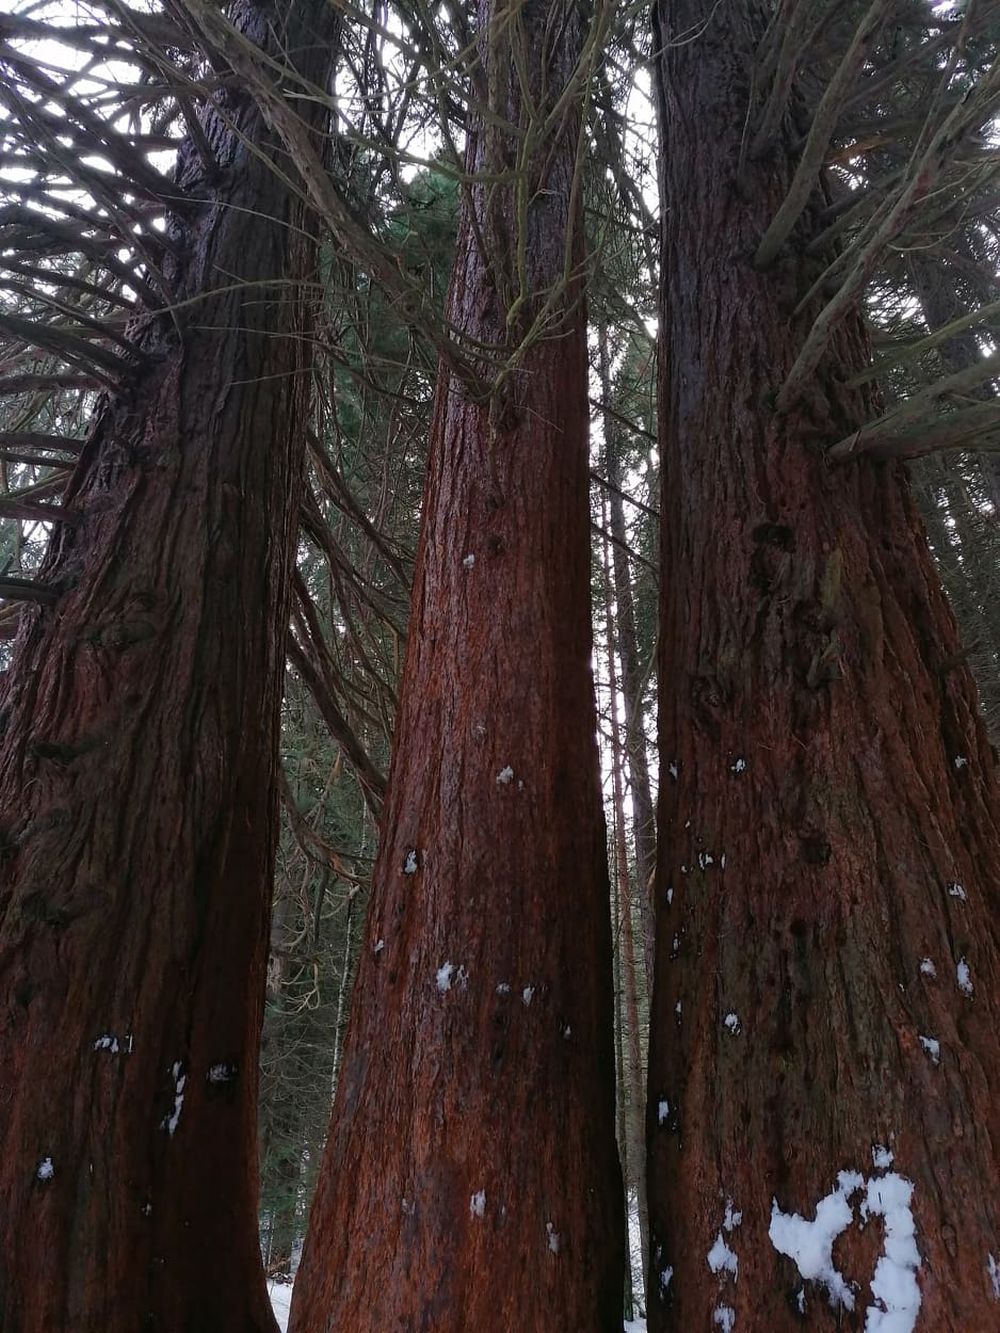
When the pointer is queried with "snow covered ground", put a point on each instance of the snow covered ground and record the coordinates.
(281, 1299)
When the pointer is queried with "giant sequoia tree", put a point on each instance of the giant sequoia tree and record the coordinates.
(470, 1178)
(827, 966)
(140, 711)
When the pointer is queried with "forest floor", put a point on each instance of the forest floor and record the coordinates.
(281, 1299)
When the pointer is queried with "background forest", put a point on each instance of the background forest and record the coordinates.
(856, 180)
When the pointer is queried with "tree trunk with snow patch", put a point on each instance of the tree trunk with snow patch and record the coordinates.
(827, 962)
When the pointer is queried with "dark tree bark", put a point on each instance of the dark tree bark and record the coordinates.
(138, 778)
(471, 1177)
(827, 964)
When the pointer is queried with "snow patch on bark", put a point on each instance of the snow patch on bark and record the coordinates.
(553, 1237)
(810, 1244)
(527, 995)
(468, 561)
(993, 1268)
(505, 777)
(724, 1318)
(740, 766)
(477, 1204)
(721, 1259)
(171, 1121)
(964, 977)
(882, 1157)
(933, 1048)
(45, 1170)
(927, 968)
(107, 1043)
(955, 890)
(894, 1285)
(732, 1022)
(410, 863)
(662, 1111)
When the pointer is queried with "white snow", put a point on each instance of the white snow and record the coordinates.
(503, 988)
(882, 1157)
(107, 1043)
(672, 770)
(960, 761)
(505, 777)
(677, 1008)
(724, 1318)
(410, 864)
(477, 1204)
(527, 995)
(45, 1169)
(721, 1259)
(553, 1236)
(993, 1268)
(810, 1244)
(732, 1022)
(739, 767)
(666, 1277)
(675, 946)
(964, 977)
(567, 1032)
(444, 975)
(469, 561)
(733, 1218)
(894, 1285)
(933, 1048)
(281, 1302)
(170, 1122)
(704, 860)
(927, 968)
(956, 891)
(662, 1111)
(380, 945)
(221, 1073)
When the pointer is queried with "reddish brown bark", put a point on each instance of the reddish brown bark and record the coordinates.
(137, 783)
(471, 1177)
(826, 784)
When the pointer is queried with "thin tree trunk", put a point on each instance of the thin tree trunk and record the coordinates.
(138, 781)
(643, 818)
(636, 1099)
(471, 1175)
(621, 1111)
(829, 858)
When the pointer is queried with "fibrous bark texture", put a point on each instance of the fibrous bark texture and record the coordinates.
(137, 779)
(471, 1177)
(826, 990)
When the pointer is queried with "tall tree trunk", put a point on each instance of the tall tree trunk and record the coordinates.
(636, 1099)
(471, 1177)
(643, 819)
(827, 974)
(137, 778)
